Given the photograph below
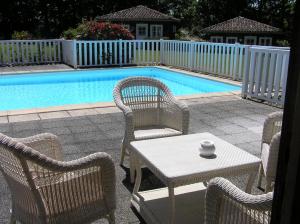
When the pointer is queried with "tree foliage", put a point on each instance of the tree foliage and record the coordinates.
(93, 30)
(49, 18)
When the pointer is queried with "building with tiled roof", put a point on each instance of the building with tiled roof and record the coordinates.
(144, 23)
(242, 30)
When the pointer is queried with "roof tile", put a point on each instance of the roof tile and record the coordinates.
(140, 13)
(240, 25)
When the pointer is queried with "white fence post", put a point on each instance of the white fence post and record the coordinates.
(161, 50)
(74, 53)
(120, 52)
(191, 55)
(69, 52)
(246, 72)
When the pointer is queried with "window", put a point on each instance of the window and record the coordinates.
(141, 31)
(250, 40)
(126, 26)
(231, 40)
(216, 39)
(174, 28)
(156, 31)
(267, 41)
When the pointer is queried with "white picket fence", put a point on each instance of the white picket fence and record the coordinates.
(24, 52)
(117, 52)
(266, 75)
(227, 60)
(263, 70)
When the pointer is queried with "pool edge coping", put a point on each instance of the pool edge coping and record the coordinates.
(105, 104)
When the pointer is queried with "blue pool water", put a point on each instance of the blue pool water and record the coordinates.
(38, 90)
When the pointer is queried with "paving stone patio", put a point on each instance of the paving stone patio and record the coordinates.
(237, 121)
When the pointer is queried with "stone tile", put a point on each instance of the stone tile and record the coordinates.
(99, 119)
(257, 130)
(3, 120)
(232, 129)
(81, 129)
(217, 122)
(53, 115)
(84, 112)
(5, 127)
(108, 110)
(27, 125)
(77, 122)
(242, 137)
(256, 117)
(52, 123)
(244, 122)
(89, 136)
(21, 118)
(25, 133)
(58, 131)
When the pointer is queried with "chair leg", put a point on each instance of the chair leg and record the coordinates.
(111, 218)
(123, 152)
(260, 175)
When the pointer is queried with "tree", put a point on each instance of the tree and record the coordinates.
(212, 12)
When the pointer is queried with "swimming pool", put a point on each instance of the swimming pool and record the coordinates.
(39, 90)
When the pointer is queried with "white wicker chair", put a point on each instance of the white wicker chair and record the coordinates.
(269, 149)
(150, 111)
(225, 203)
(45, 189)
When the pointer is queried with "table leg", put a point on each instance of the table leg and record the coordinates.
(132, 167)
(250, 183)
(138, 175)
(172, 205)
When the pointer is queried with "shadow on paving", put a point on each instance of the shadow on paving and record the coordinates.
(238, 122)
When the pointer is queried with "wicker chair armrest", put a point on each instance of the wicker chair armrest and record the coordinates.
(219, 188)
(272, 125)
(273, 157)
(89, 174)
(129, 123)
(128, 114)
(100, 159)
(45, 143)
(118, 101)
(181, 108)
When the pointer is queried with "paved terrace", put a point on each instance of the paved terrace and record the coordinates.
(229, 117)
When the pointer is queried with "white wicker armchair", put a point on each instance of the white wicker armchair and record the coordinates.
(150, 111)
(269, 149)
(225, 203)
(44, 189)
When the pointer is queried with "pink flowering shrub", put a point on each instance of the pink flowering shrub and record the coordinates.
(93, 30)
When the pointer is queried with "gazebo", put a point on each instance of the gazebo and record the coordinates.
(242, 30)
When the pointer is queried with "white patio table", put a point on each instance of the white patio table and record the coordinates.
(176, 161)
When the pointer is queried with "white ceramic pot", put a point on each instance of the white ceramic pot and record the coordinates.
(207, 148)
